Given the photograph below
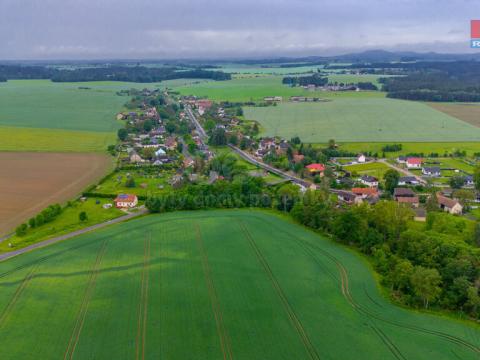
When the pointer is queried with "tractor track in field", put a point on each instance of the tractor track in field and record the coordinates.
(223, 335)
(143, 303)
(304, 337)
(82, 312)
(18, 292)
(346, 293)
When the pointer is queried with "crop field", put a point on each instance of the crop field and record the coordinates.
(255, 88)
(39, 115)
(184, 285)
(469, 113)
(32, 181)
(349, 119)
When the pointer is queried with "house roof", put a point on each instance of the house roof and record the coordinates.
(126, 198)
(432, 169)
(316, 167)
(447, 202)
(408, 179)
(403, 192)
(415, 161)
(346, 195)
(369, 178)
(408, 199)
(365, 191)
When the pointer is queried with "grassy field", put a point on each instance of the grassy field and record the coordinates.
(182, 286)
(349, 119)
(372, 169)
(65, 223)
(29, 182)
(54, 140)
(412, 147)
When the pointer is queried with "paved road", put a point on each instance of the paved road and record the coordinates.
(71, 235)
(201, 132)
(402, 171)
(267, 167)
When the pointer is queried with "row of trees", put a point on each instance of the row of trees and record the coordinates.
(45, 216)
(315, 79)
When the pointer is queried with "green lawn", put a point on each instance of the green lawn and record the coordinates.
(372, 169)
(350, 119)
(185, 286)
(65, 223)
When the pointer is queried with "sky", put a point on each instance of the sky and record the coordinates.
(172, 29)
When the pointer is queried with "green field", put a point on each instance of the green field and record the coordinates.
(372, 169)
(185, 286)
(60, 116)
(349, 119)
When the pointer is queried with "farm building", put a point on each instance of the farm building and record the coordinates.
(431, 171)
(369, 181)
(365, 192)
(126, 201)
(414, 163)
(449, 205)
(406, 196)
(347, 197)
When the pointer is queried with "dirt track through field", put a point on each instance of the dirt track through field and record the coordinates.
(29, 182)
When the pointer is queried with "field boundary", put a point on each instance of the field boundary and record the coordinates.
(216, 307)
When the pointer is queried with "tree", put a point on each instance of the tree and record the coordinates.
(218, 137)
(456, 182)
(130, 182)
(331, 144)
(391, 178)
(432, 203)
(426, 284)
(476, 177)
(32, 222)
(233, 139)
(148, 125)
(83, 216)
(401, 275)
(170, 127)
(21, 230)
(473, 300)
(122, 134)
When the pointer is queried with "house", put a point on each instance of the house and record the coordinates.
(414, 163)
(135, 158)
(402, 160)
(431, 171)
(346, 196)
(420, 215)
(368, 180)
(160, 153)
(406, 196)
(408, 180)
(171, 143)
(126, 201)
(316, 169)
(449, 205)
(468, 180)
(361, 158)
(365, 192)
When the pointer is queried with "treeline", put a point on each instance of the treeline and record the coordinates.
(139, 74)
(315, 79)
(45, 216)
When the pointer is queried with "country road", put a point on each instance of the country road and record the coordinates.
(201, 131)
(267, 167)
(54, 240)
(402, 171)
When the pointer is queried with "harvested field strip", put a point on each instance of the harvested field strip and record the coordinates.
(8, 309)
(225, 342)
(143, 303)
(310, 349)
(82, 312)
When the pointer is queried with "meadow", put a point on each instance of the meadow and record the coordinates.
(184, 285)
(375, 169)
(32, 181)
(351, 119)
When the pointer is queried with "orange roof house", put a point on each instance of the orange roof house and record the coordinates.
(316, 168)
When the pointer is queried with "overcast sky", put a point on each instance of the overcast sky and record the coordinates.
(94, 29)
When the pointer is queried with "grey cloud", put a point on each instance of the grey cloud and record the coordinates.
(43, 29)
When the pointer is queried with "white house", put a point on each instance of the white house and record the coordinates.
(126, 201)
(414, 163)
(361, 158)
(368, 180)
(449, 205)
(431, 171)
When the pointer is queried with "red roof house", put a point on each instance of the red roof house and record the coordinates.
(316, 168)
(414, 163)
(126, 201)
